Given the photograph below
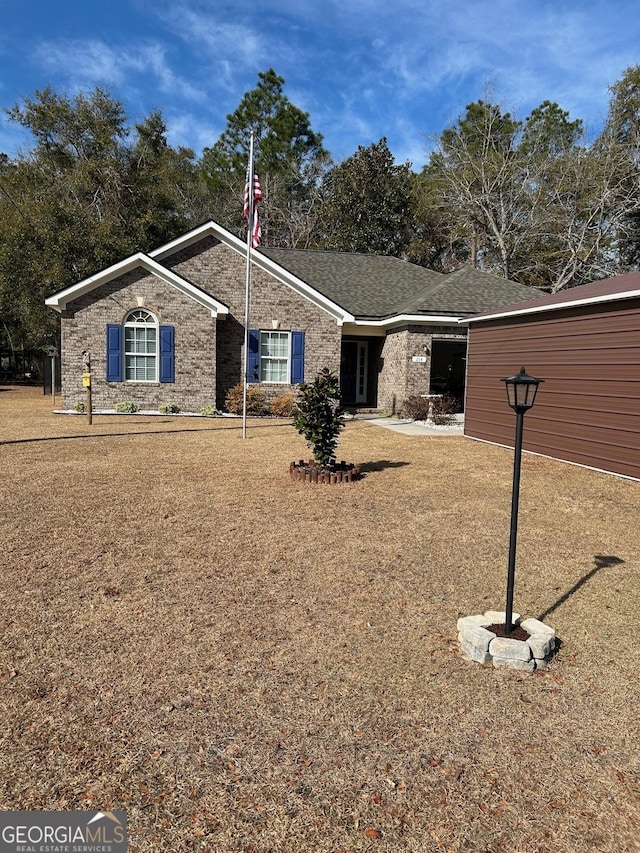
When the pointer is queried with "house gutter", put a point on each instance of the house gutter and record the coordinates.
(412, 319)
(553, 306)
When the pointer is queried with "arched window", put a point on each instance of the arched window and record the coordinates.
(139, 350)
(140, 346)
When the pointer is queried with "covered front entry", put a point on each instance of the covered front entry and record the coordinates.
(448, 365)
(354, 371)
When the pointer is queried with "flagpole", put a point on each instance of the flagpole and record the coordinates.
(247, 289)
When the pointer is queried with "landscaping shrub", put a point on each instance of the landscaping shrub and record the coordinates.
(443, 409)
(282, 406)
(318, 416)
(210, 411)
(80, 407)
(416, 408)
(169, 409)
(127, 407)
(255, 400)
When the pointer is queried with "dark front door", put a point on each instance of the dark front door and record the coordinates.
(353, 372)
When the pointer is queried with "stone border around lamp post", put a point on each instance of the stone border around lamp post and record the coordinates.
(483, 646)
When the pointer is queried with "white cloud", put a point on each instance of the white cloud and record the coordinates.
(153, 58)
(191, 131)
(230, 45)
(93, 62)
(87, 61)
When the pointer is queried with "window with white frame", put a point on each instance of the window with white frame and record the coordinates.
(274, 356)
(141, 347)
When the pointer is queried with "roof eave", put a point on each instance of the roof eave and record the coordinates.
(555, 306)
(209, 228)
(414, 319)
(60, 300)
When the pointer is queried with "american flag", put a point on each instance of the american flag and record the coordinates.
(251, 206)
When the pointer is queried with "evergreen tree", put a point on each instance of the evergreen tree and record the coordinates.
(166, 193)
(290, 161)
(83, 197)
(367, 205)
(623, 128)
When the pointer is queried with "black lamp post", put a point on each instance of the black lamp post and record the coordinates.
(521, 393)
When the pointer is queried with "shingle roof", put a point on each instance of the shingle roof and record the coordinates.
(364, 285)
(626, 286)
(469, 291)
(377, 286)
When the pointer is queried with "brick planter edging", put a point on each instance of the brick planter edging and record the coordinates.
(483, 646)
(309, 472)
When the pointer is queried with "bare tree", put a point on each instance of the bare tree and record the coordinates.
(534, 202)
(588, 211)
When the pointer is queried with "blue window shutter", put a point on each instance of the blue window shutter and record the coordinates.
(167, 358)
(114, 352)
(297, 358)
(253, 360)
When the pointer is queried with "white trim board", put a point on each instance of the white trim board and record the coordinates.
(60, 300)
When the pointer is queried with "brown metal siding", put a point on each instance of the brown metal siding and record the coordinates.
(588, 409)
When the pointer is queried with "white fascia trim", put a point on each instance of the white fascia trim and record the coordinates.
(414, 319)
(209, 228)
(556, 306)
(59, 301)
(213, 229)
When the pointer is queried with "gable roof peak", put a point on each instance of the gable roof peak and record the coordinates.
(60, 300)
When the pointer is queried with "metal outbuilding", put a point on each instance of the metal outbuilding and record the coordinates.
(585, 343)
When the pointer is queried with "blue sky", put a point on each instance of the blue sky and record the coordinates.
(362, 69)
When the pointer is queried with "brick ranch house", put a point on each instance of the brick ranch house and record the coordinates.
(168, 326)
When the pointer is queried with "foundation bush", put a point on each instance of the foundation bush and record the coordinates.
(416, 408)
(282, 406)
(127, 407)
(255, 400)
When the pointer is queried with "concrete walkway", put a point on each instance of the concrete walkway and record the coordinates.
(407, 427)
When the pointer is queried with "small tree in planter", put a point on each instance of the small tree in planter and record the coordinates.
(318, 417)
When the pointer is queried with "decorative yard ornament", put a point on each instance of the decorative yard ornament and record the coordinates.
(521, 394)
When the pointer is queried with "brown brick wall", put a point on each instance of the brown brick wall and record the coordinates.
(222, 272)
(84, 328)
(391, 379)
(209, 355)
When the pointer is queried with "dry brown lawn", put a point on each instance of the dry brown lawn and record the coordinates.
(246, 664)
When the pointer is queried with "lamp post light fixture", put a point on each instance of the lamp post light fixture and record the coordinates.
(521, 394)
